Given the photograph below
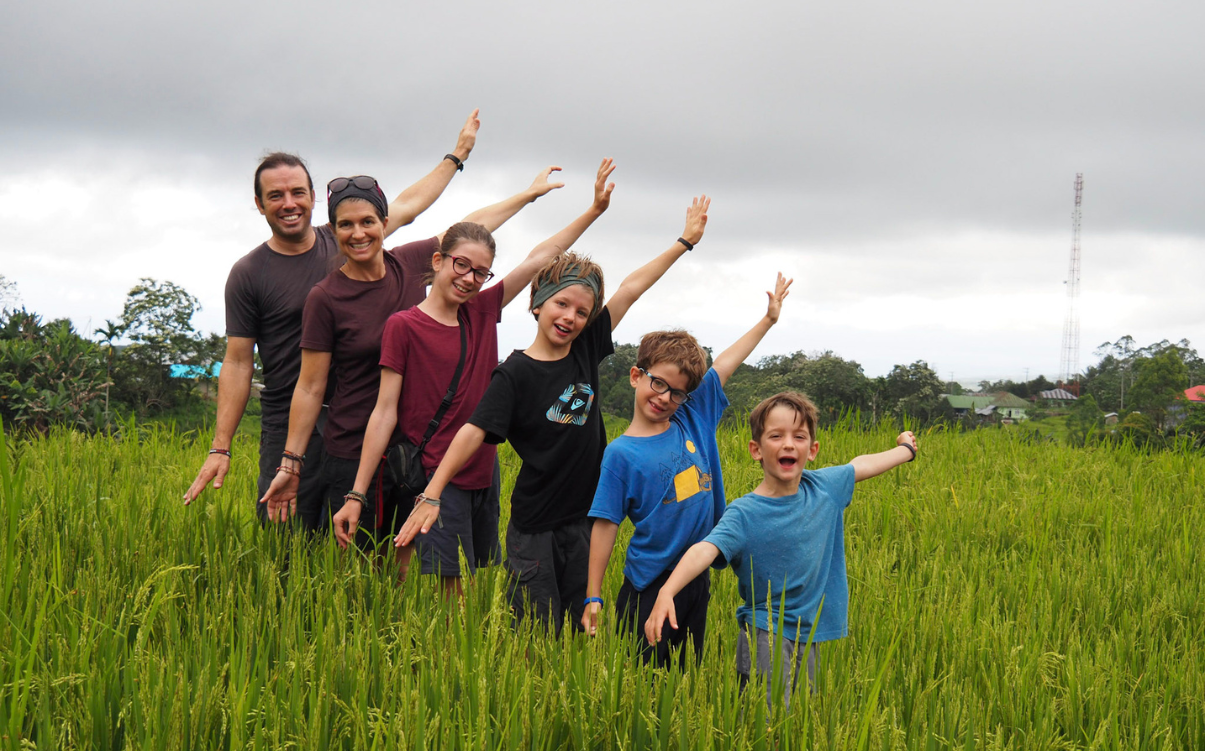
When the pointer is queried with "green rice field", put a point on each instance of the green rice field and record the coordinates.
(1005, 594)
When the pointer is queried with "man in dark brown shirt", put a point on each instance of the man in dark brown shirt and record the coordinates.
(265, 294)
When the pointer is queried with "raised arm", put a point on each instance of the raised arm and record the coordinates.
(418, 197)
(495, 215)
(697, 559)
(234, 386)
(640, 280)
(522, 274)
(731, 358)
(376, 439)
(867, 466)
(468, 439)
(303, 414)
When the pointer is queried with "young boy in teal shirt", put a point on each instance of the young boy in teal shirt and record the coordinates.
(785, 542)
(663, 473)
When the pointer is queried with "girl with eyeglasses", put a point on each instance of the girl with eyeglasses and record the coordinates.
(420, 351)
(342, 323)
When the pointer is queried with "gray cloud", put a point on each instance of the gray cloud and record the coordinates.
(893, 146)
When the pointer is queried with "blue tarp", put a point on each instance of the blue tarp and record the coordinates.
(195, 371)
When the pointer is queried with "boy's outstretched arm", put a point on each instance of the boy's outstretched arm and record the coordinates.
(522, 274)
(697, 559)
(497, 214)
(867, 466)
(418, 197)
(730, 359)
(602, 543)
(468, 439)
(639, 281)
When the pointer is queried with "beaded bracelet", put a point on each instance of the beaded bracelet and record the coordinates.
(289, 470)
(355, 495)
(299, 458)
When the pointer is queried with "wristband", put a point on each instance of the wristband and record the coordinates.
(355, 495)
(223, 452)
(299, 458)
(907, 446)
(689, 245)
(458, 162)
(593, 599)
(421, 498)
(288, 470)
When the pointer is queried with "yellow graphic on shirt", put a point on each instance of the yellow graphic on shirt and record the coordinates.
(686, 483)
(690, 447)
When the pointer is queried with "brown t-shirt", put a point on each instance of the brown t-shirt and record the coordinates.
(265, 294)
(346, 318)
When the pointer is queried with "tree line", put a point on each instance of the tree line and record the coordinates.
(52, 374)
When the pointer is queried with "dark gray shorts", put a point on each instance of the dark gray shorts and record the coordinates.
(470, 521)
(791, 656)
(309, 492)
(548, 572)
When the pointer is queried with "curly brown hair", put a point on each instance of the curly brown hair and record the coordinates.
(675, 347)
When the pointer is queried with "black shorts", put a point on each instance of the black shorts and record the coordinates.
(470, 521)
(548, 572)
(633, 608)
(309, 491)
(380, 519)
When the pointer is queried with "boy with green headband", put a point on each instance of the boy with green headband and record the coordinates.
(542, 400)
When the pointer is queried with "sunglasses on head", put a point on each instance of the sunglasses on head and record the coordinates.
(339, 184)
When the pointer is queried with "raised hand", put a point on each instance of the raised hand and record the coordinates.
(540, 186)
(282, 496)
(782, 288)
(696, 219)
(906, 438)
(215, 468)
(468, 136)
(602, 189)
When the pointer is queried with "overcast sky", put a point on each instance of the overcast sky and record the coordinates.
(911, 165)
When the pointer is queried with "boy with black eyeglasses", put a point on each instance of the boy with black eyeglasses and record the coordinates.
(663, 473)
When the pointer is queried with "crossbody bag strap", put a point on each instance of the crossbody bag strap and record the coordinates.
(447, 402)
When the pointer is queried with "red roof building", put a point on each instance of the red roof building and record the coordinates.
(1195, 394)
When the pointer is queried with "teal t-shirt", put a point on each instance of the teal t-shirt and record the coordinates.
(791, 549)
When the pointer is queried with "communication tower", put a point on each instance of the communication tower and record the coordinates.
(1069, 363)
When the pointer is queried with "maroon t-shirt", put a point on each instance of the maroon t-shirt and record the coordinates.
(425, 352)
(346, 318)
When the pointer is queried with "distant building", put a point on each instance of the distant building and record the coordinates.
(1195, 394)
(1057, 395)
(1111, 418)
(1003, 404)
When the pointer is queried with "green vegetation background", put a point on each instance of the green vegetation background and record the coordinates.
(1005, 593)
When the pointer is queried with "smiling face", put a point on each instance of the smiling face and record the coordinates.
(563, 316)
(359, 230)
(651, 406)
(786, 445)
(456, 287)
(287, 201)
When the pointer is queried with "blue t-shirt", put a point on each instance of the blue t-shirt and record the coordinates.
(793, 545)
(668, 484)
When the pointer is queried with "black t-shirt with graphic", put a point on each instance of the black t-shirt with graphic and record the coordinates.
(549, 412)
